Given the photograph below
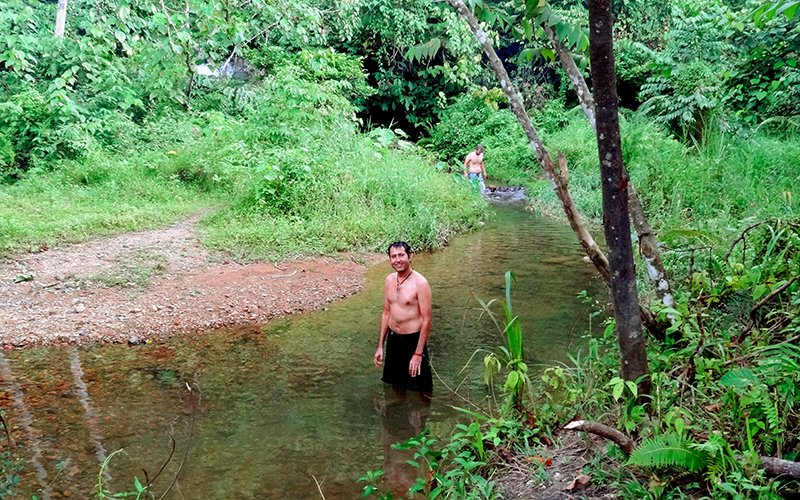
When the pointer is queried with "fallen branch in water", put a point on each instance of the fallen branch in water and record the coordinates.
(195, 404)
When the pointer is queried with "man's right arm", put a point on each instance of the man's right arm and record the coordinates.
(384, 328)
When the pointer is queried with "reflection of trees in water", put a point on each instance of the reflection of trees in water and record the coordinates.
(26, 422)
(403, 416)
(90, 415)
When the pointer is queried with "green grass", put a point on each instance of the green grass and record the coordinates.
(347, 195)
(133, 270)
(58, 207)
(714, 187)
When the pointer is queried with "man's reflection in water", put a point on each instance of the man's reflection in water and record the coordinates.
(403, 416)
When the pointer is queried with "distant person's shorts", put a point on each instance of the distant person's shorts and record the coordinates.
(477, 179)
(399, 349)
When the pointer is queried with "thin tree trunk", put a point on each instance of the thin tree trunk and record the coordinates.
(190, 82)
(574, 74)
(61, 18)
(648, 244)
(648, 249)
(615, 198)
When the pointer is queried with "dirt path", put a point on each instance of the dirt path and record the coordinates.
(154, 284)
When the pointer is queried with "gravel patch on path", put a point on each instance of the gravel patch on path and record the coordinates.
(155, 284)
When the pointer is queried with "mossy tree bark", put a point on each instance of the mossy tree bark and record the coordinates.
(615, 198)
(61, 18)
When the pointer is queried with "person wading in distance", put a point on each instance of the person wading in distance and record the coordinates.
(405, 325)
(474, 168)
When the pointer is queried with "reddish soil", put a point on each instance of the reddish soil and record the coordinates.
(154, 284)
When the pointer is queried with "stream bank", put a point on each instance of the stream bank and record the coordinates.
(155, 284)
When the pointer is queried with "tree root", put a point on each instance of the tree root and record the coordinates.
(603, 430)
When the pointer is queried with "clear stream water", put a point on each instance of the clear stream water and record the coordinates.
(277, 409)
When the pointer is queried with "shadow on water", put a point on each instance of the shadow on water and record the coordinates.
(297, 400)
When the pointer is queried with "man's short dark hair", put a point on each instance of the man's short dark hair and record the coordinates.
(398, 244)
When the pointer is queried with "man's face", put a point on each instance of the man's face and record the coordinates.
(479, 150)
(399, 259)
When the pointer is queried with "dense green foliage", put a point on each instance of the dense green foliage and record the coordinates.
(715, 57)
(110, 130)
(418, 55)
(250, 112)
(324, 188)
(119, 61)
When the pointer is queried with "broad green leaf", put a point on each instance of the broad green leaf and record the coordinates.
(791, 11)
(739, 378)
(511, 381)
(617, 386)
(632, 388)
(679, 425)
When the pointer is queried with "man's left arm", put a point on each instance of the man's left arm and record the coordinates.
(425, 301)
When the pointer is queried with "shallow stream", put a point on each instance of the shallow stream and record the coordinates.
(274, 411)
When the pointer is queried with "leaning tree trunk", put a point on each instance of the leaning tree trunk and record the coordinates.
(615, 198)
(558, 176)
(574, 74)
(648, 244)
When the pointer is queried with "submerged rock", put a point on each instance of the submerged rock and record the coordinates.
(506, 194)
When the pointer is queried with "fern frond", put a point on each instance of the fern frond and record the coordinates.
(668, 450)
(770, 410)
(780, 359)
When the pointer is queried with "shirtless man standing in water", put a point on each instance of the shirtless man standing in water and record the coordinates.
(405, 324)
(474, 169)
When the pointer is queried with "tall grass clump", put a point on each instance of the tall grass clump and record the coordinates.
(323, 187)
